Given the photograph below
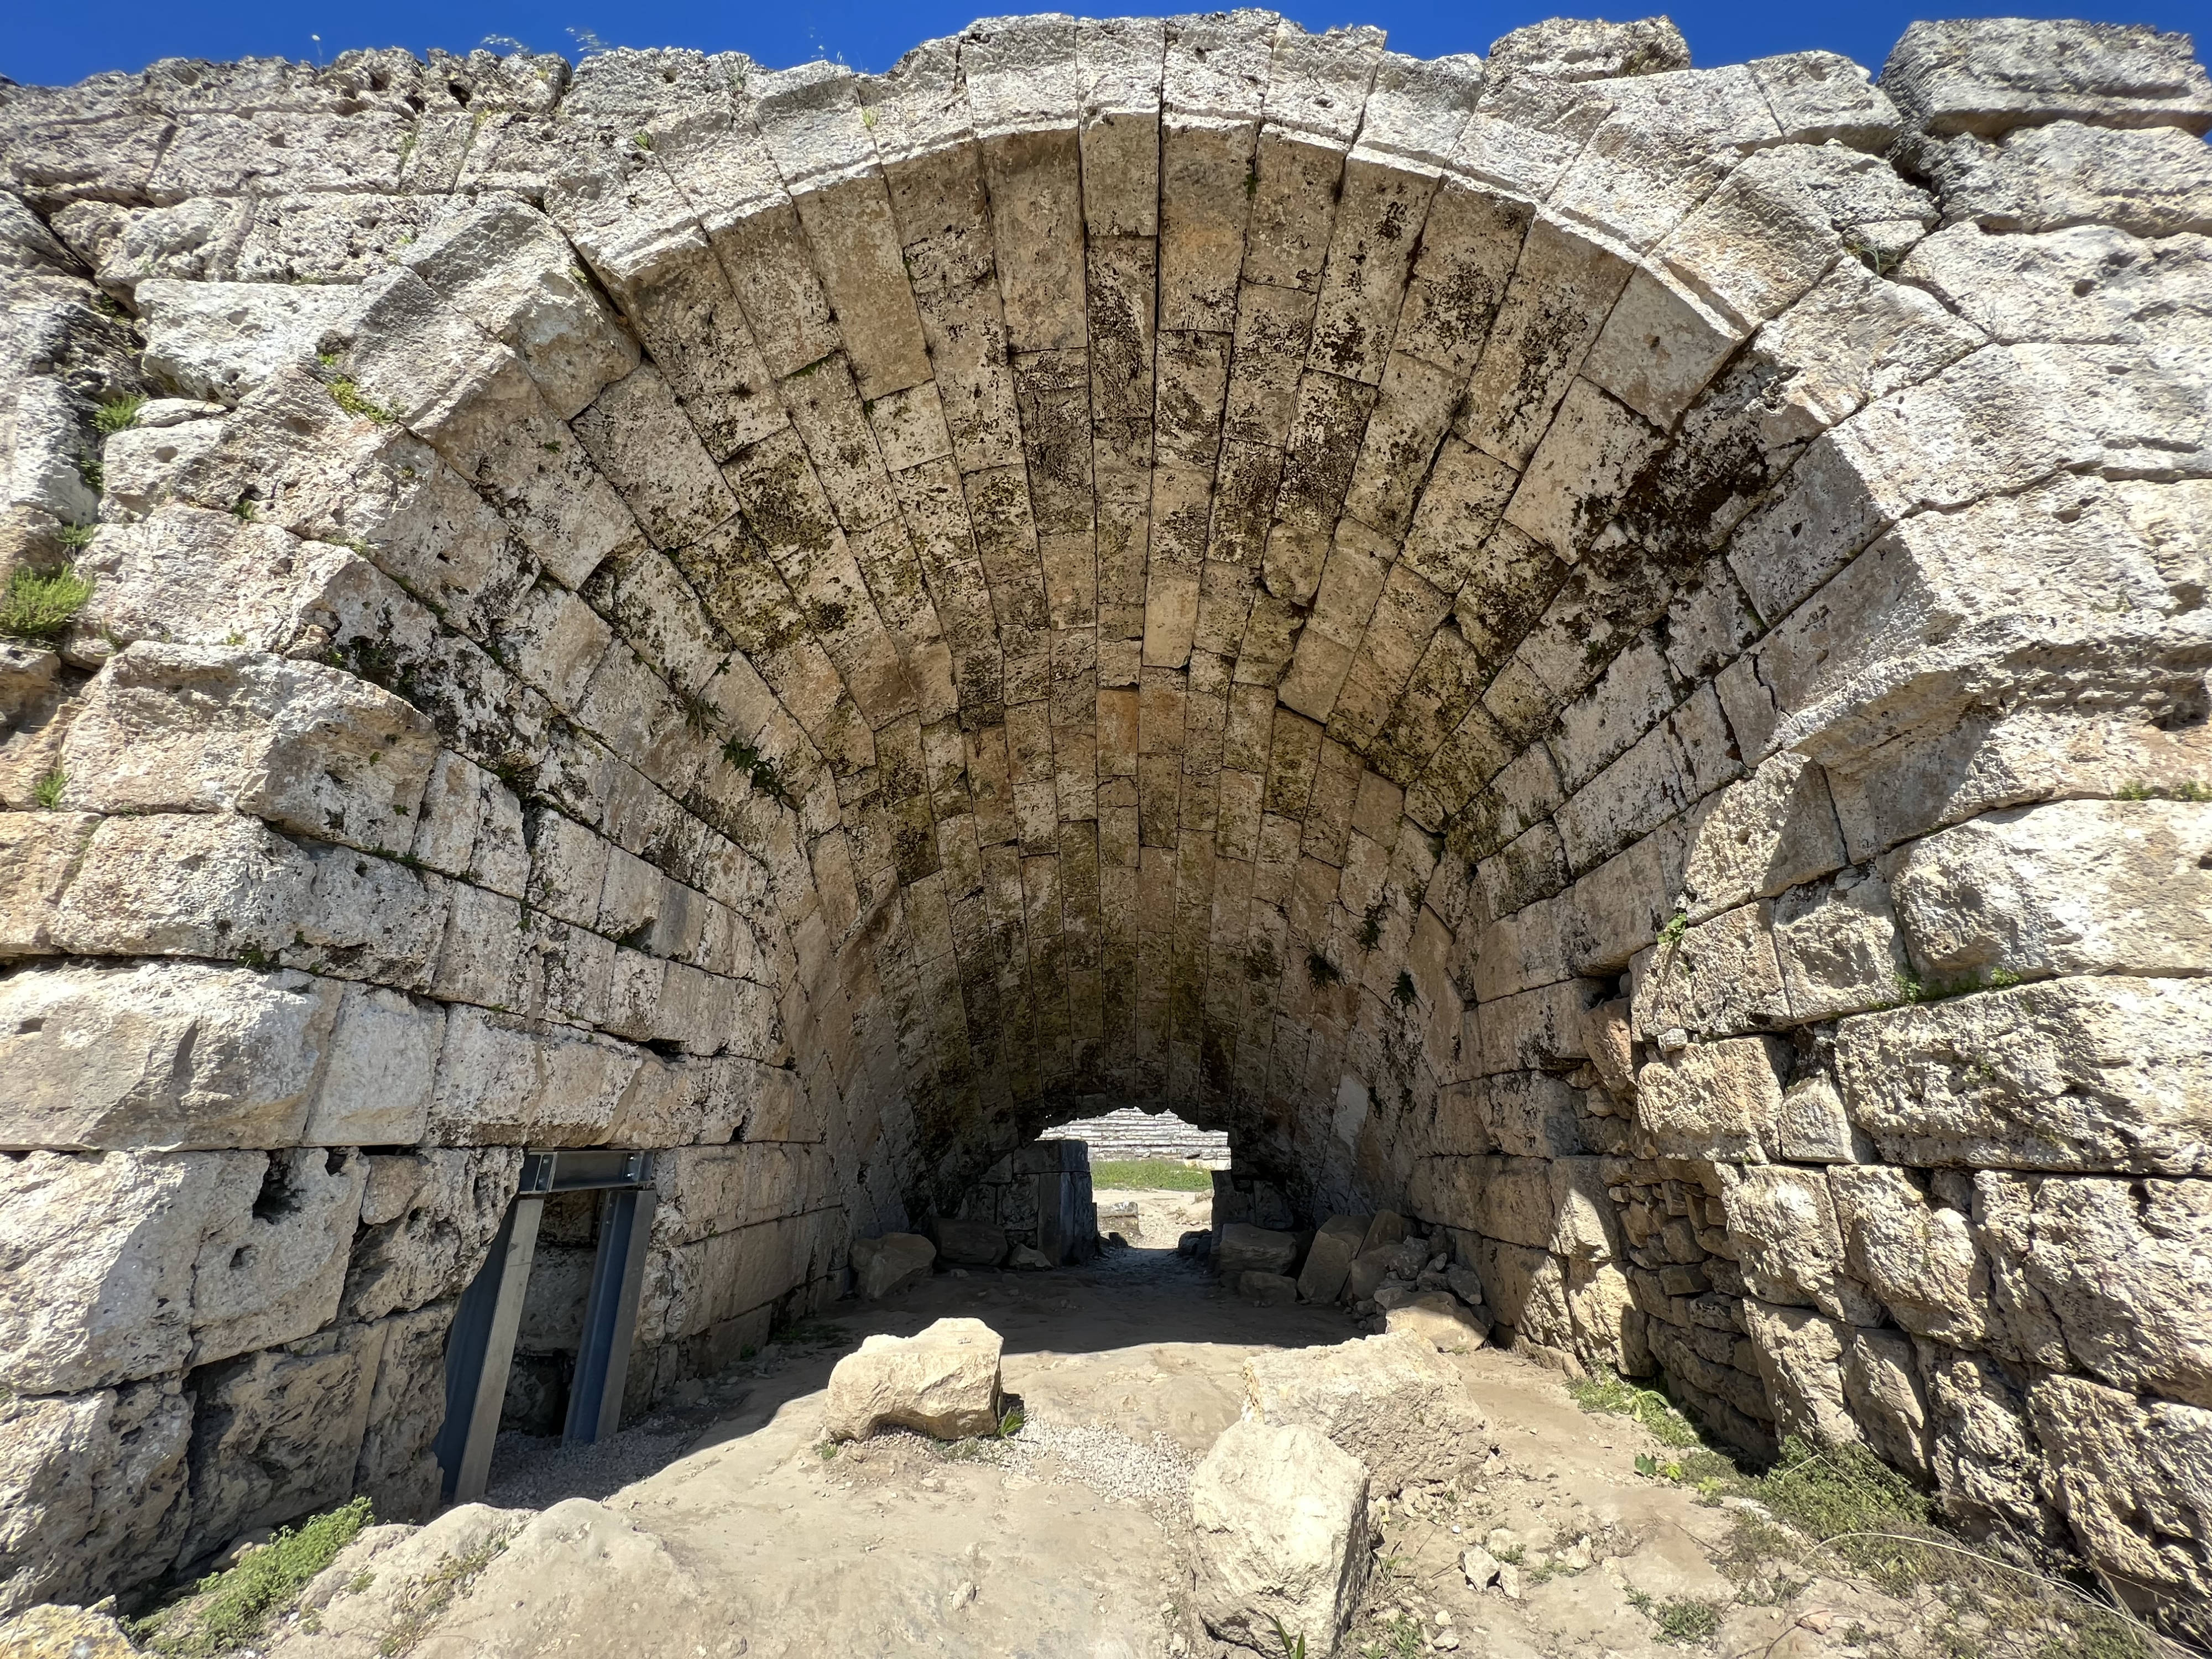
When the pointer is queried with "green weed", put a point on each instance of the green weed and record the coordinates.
(116, 415)
(1320, 970)
(47, 792)
(1617, 1396)
(1677, 925)
(1402, 1639)
(348, 396)
(227, 1610)
(1683, 1620)
(77, 536)
(38, 605)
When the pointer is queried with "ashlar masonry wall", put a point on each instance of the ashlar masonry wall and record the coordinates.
(1607, 653)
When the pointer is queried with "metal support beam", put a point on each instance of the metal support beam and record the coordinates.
(595, 1395)
(480, 1351)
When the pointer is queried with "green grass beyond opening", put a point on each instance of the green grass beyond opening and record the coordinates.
(1159, 1174)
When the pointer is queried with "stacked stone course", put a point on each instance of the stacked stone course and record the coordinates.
(1607, 654)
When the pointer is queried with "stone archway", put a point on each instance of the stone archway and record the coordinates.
(1609, 653)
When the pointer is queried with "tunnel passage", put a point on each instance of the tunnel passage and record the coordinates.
(1607, 654)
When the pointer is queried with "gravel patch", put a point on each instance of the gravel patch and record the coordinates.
(1110, 1463)
(532, 1472)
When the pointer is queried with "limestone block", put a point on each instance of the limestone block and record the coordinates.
(1800, 1356)
(1823, 97)
(882, 1267)
(38, 855)
(162, 1055)
(2154, 183)
(1783, 1223)
(474, 402)
(273, 1272)
(217, 885)
(100, 1254)
(1987, 1468)
(1917, 1257)
(222, 340)
(503, 1079)
(1441, 1320)
(2080, 1074)
(1389, 1401)
(971, 1244)
(1243, 1249)
(94, 1485)
(2069, 887)
(1329, 1257)
(638, 437)
(2088, 283)
(277, 1434)
(2131, 1476)
(1262, 1290)
(1837, 946)
(1767, 834)
(1815, 1126)
(398, 1471)
(2108, 1277)
(1881, 1388)
(1586, 49)
(48, 1630)
(1368, 1271)
(1718, 979)
(943, 1382)
(190, 576)
(205, 728)
(1989, 75)
(505, 268)
(1278, 1524)
(1714, 1099)
(428, 1220)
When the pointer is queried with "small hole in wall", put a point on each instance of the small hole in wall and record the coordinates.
(276, 1200)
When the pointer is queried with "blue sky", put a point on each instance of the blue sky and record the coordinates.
(52, 43)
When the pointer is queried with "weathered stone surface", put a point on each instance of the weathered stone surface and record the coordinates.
(163, 1055)
(2106, 1277)
(1800, 1356)
(426, 1220)
(1713, 1099)
(2076, 1074)
(65, 1632)
(1328, 1258)
(1441, 1320)
(222, 340)
(1577, 49)
(195, 728)
(1389, 1400)
(2070, 887)
(972, 1243)
(94, 1485)
(1989, 75)
(943, 1382)
(883, 1266)
(1245, 1249)
(1278, 1524)
(1916, 1256)
(1782, 1223)
(2128, 1474)
(1881, 1388)
(1264, 1290)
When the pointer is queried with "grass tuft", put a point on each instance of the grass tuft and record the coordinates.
(118, 414)
(347, 396)
(38, 605)
(227, 1610)
(1153, 1175)
(47, 792)
(1617, 1396)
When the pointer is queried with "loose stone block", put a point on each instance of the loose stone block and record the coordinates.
(1278, 1520)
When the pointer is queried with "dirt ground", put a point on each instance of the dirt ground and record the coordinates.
(731, 1528)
